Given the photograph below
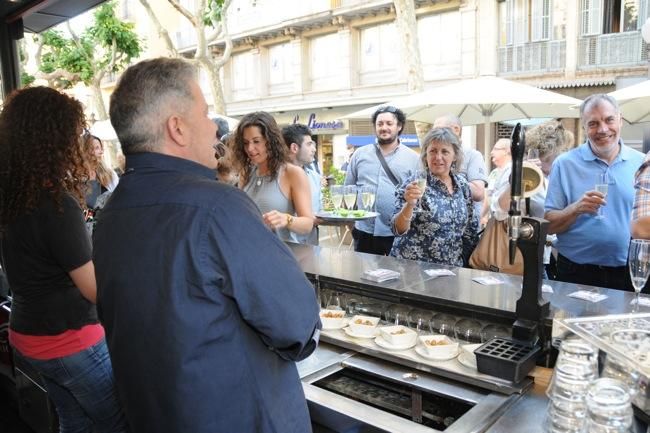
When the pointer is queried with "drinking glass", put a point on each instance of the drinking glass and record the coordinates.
(349, 196)
(398, 314)
(494, 331)
(609, 409)
(419, 320)
(639, 263)
(467, 331)
(368, 197)
(602, 184)
(421, 181)
(336, 193)
(443, 324)
(532, 155)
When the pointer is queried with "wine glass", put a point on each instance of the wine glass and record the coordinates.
(336, 193)
(601, 186)
(349, 196)
(368, 197)
(639, 263)
(532, 155)
(421, 181)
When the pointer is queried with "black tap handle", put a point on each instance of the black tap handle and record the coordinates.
(517, 149)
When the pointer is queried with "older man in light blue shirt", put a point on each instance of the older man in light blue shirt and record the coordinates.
(374, 236)
(593, 248)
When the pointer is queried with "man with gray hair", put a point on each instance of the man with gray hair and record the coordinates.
(193, 288)
(593, 245)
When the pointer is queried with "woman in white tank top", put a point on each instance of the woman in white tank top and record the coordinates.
(281, 190)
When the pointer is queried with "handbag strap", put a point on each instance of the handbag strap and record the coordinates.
(387, 169)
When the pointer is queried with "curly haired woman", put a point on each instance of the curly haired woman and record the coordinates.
(100, 177)
(46, 253)
(281, 190)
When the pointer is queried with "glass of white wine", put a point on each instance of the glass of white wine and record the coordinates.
(368, 197)
(336, 193)
(639, 263)
(602, 184)
(421, 181)
(350, 196)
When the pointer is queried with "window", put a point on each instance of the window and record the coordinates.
(378, 48)
(280, 60)
(525, 21)
(612, 16)
(242, 76)
(436, 61)
(324, 65)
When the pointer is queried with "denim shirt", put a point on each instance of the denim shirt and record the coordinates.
(446, 222)
(205, 309)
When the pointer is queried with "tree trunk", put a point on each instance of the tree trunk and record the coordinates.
(98, 102)
(407, 28)
(218, 103)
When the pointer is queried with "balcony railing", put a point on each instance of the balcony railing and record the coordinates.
(613, 49)
(544, 56)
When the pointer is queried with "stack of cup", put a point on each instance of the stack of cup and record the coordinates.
(575, 368)
(609, 407)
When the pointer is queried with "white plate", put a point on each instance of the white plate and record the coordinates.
(423, 353)
(386, 345)
(351, 333)
(343, 324)
(466, 362)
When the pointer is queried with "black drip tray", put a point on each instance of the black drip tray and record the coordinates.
(506, 358)
(429, 409)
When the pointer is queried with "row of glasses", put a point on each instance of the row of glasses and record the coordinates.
(346, 196)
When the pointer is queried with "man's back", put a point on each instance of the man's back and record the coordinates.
(193, 306)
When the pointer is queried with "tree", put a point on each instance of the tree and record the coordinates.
(406, 23)
(107, 46)
(210, 24)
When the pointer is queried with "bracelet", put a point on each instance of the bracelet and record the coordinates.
(289, 220)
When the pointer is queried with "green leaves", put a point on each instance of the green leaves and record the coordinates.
(108, 45)
(212, 14)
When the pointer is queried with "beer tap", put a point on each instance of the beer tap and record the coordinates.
(529, 235)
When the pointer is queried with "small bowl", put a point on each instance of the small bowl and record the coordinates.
(439, 346)
(332, 319)
(398, 335)
(364, 325)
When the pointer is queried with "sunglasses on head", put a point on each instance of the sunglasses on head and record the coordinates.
(387, 109)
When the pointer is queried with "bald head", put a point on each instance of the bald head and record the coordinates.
(449, 121)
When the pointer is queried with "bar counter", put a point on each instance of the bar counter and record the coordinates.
(501, 408)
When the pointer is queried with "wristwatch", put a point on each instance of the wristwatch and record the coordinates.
(289, 220)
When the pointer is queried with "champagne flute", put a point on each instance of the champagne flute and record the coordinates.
(336, 193)
(639, 263)
(349, 196)
(421, 181)
(602, 184)
(368, 197)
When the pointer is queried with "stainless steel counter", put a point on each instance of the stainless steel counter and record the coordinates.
(344, 268)
(503, 408)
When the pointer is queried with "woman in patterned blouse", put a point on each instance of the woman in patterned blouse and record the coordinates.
(446, 222)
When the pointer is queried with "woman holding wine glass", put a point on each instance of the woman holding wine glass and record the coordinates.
(433, 220)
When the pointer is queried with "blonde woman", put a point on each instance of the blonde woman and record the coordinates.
(100, 177)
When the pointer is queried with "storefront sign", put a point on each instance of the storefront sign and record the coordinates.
(313, 124)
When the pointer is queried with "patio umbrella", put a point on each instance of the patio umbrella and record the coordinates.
(483, 100)
(103, 130)
(634, 102)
